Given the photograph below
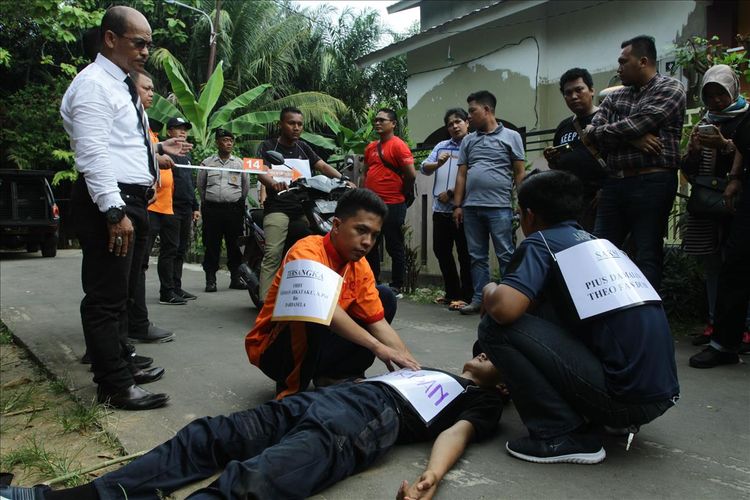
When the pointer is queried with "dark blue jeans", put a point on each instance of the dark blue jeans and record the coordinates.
(639, 206)
(557, 383)
(282, 449)
(393, 235)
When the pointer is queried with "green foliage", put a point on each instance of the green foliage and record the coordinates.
(33, 456)
(33, 127)
(70, 174)
(347, 141)
(205, 119)
(5, 336)
(413, 264)
(425, 295)
(82, 418)
(682, 288)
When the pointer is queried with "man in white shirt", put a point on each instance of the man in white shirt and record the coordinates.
(108, 132)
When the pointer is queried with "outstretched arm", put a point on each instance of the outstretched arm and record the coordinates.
(448, 448)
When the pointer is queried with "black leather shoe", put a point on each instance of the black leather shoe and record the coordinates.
(132, 398)
(138, 360)
(710, 358)
(148, 375)
(210, 286)
(155, 335)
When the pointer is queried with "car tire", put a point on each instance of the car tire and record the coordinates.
(49, 247)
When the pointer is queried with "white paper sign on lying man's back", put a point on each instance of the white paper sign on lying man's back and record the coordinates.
(601, 278)
(308, 291)
(428, 391)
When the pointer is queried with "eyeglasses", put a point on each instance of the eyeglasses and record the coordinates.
(381, 120)
(138, 42)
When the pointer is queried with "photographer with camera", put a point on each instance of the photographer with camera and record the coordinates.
(568, 151)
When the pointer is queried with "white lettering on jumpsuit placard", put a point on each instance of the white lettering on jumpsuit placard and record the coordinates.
(429, 392)
(601, 278)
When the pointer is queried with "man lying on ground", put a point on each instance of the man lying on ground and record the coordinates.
(615, 368)
(293, 353)
(306, 442)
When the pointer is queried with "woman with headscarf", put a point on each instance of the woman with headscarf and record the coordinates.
(711, 153)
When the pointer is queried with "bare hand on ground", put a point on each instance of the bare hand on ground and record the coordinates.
(424, 488)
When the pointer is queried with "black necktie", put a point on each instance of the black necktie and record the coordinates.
(144, 126)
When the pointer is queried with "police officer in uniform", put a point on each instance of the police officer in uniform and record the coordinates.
(223, 204)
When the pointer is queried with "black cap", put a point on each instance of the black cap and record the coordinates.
(221, 132)
(178, 121)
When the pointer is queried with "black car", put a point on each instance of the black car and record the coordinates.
(29, 216)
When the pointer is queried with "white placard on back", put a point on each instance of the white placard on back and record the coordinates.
(428, 391)
(308, 291)
(601, 278)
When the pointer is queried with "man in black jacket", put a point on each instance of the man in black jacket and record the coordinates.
(184, 203)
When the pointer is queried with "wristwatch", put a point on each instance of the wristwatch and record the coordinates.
(114, 215)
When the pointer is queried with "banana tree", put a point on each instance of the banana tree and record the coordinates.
(346, 140)
(205, 119)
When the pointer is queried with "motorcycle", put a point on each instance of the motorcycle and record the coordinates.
(318, 195)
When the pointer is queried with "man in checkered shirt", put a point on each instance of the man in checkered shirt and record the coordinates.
(638, 127)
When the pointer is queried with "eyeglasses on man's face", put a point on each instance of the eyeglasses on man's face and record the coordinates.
(138, 42)
(381, 120)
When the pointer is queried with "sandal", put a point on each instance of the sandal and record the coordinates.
(440, 300)
(456, 305)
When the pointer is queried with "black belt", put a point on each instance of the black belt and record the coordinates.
(136, 190)
(222, 204)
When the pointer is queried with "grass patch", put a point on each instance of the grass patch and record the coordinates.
(426, 295)
(82, 418)
(34, 457)
(60, 385)
(18, 399)
(5, 336)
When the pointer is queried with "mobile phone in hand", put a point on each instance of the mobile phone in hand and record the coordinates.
(707, 130)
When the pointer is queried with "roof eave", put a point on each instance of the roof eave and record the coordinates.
(442, 31)
(403, 5)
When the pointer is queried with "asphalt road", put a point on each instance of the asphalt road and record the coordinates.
(700, 449)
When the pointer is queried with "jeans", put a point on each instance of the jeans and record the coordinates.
(167, 227)
(444, 235)
(734, 280)
(285, 449)
(109, 284)
(304, 351)
(222, 220)
(392, 233)
(639, 206)
(480, 224)
(557, 383)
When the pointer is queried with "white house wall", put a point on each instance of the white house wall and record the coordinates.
(569, 34)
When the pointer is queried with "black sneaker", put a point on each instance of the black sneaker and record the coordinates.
(571, 448)
(710, 357)
(185, 295)
(172, 300)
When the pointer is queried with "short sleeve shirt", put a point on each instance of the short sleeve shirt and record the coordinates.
(489, 158)
(299, 151)
(383, 180)
(359, 295)
(634, 345)
(165, 189)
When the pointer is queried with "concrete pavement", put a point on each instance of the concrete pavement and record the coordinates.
(700, 449)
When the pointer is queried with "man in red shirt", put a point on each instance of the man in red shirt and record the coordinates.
(389, 171)
(295, 352)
